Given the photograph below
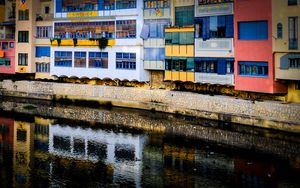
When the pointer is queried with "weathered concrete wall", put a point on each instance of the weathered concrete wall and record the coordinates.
(160, 123)
(267, 114)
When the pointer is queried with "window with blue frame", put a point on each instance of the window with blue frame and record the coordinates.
(84, 30)
(179, 64)
(256, 30)
(63, 59)
(214, 27)
(77, 6)
(154, 54)
(125, 4)
(98, 60)
(214, 65)
(155, 28)
(126, 61)
(154, 4)
(41, 51)
(292, 2)
(184, 16)
(126, 29)
(80, 59)
(251, 68)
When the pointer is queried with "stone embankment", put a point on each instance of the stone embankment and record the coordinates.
(267, 114)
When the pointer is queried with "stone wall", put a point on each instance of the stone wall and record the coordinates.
(269, 114)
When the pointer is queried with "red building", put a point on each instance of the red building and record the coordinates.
(254, 65)
(7, 56)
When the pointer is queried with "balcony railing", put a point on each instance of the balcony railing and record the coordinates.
(213, 78)
(214, 9)
(7, 36)
(44, 17)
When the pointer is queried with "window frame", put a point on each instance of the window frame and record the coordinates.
(23, 15)
(22, 38)
(125, 61)
(253, 64)
(258, 35)
(279, 28)
(20, 59)
(293, 30)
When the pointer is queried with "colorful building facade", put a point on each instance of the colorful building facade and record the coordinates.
(254, 65)
(214, 49)
(7, 37)
(81, 31)
(286, 45)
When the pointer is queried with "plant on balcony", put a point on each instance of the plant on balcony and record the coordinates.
(56, 39)
(102, 43)
(75, 42)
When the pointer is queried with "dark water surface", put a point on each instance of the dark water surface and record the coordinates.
(40, 152)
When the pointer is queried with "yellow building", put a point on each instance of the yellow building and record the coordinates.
(23, 148)
(179, 43)
(286, 45)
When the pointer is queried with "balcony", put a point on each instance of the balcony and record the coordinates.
(214, 9)
(154, 65)
(287, 66)
(180, 50)
(214, 78)
(222, 47)
(44, 17)
(179, 76)
(157, 13)
(7, 36)
(84, 42)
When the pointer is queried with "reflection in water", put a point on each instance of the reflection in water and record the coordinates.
(43, 153)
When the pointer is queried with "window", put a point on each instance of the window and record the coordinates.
(279, 31)
(23, 36)
(257, 30)
(293, 33)
(205, 2)
(47, 9)
(297, 85)
(22, 59)
(206, 66)
(4, 45)
(184, 16)
(76, 6)
(80, 59)
(126, 61)
(11, 44)
(214, 27)
(42, 51)
(109, 5)
(123, 4)
(24, 14)
(126, 29)
(253, 68)
(153, 4)
(84, 30)
(229, 67)
(156, 28)
(42, 67)
(176, 64)
(4, 62)
(63, 59)
(179, 38)
(294, 62)
(44, 32)
(98, 60)
(292, 2)
(154, 54)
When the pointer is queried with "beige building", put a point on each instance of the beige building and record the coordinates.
(286, 45)
(33, 32)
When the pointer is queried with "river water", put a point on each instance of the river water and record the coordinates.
(40, 151)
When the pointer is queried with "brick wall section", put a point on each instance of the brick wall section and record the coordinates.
(171, 101)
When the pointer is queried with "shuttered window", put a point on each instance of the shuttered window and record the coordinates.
(253, 30)
(41, 51)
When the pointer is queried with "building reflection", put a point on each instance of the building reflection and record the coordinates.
(45, 154)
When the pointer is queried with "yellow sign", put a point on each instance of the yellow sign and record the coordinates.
(22, 69)
(82, 14)
(23, 5)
